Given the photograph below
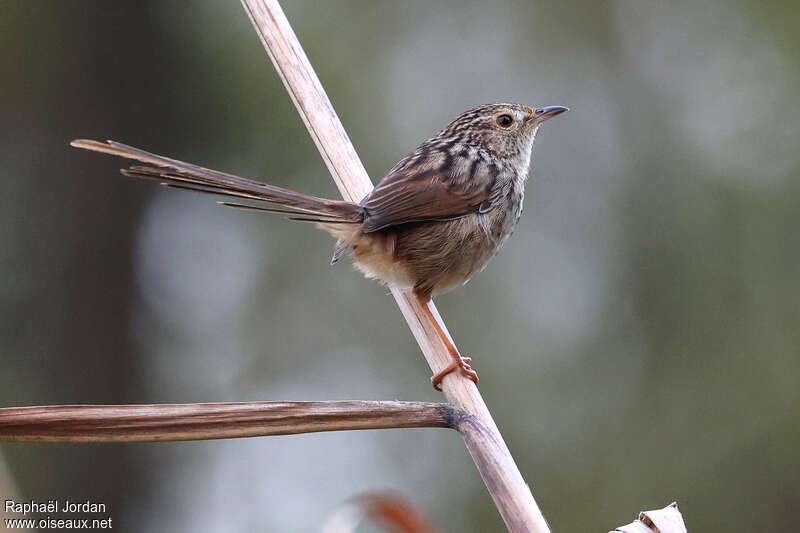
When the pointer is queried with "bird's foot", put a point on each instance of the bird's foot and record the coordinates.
(458, 362)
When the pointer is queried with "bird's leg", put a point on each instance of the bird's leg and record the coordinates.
(459, 362)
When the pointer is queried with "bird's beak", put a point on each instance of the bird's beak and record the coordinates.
(543, 113)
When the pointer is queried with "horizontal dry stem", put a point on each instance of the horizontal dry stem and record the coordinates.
(203, 421)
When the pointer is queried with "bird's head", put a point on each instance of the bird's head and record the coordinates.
(505, 130)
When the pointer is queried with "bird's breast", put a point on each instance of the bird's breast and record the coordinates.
(442, 254)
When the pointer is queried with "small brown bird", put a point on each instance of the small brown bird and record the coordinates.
(432, 222)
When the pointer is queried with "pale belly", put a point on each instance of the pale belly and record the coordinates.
(440, 255)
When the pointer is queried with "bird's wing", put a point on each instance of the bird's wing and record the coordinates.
(429, 186)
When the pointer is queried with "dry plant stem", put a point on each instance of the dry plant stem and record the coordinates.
(490, 456)
(519, 510)
(202, 421)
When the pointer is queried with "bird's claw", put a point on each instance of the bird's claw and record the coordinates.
(461, 363)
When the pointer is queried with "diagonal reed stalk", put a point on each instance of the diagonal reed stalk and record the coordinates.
(509, 491)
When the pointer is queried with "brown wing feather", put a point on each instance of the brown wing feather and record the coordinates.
(425, 186)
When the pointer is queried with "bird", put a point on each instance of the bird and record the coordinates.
(431, 223)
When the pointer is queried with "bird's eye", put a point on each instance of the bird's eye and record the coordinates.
(505, 121)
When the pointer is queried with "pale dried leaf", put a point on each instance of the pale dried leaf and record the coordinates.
(666, 520)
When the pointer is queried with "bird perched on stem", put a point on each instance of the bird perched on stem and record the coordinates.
(432, 222)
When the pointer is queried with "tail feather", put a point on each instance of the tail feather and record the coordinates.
(298, 215)
(185, 183)
(186, 176)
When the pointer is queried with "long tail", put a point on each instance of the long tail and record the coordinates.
(180, 175)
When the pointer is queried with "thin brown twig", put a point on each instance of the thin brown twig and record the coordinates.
(202, 421)
(508, 489)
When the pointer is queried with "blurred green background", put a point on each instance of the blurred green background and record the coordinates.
(638, 339)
